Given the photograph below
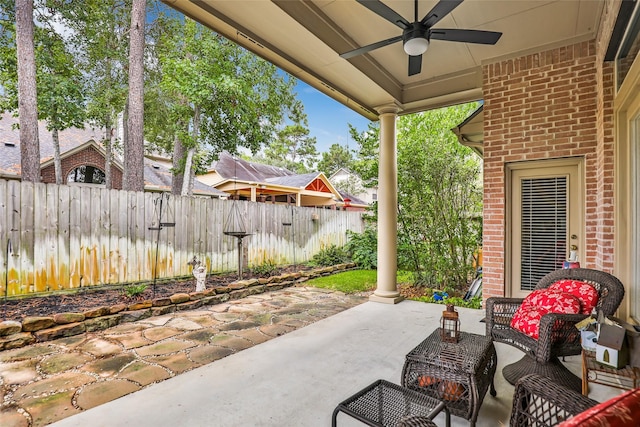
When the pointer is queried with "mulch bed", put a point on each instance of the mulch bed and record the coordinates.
(83, 300)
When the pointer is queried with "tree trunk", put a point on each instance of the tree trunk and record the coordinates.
(57, 163)
(178, 157)
(187, 180)
(108, 155)
(134, 153)
(27, 95)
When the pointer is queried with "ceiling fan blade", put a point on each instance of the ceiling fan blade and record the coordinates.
(466, 36)
(368, 48)
(386, 12)
(439, 11)
(415, 64)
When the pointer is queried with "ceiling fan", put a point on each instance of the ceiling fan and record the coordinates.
(417, 35)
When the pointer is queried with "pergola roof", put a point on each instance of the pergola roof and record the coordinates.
(305, 39)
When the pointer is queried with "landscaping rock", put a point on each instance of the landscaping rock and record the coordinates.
(117, 308)
(60, 331)
(97, 312)
(179, 298)
(66, 318)
(161, 302)
(159, 311)
(197, 295)
(140, 306)
(9, 327)
(32, 324)
(101, 323)
(132, 316)
(189, 305)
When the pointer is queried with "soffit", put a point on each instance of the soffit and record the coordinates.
(305, 39)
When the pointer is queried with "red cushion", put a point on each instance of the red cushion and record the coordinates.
(620, 411)
(527, 320)
(527, 317)
(585, 292)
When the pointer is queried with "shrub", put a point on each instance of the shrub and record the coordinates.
(362, 248)
(266, 269)
(133, 291)
(330, 255)
(475, 302)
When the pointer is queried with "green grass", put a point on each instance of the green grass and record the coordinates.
(351, 281)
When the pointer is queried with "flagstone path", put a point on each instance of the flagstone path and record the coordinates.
(45, 382)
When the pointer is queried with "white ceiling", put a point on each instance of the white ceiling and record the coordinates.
(305, 39)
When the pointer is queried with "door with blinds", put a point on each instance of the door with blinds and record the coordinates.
(546, 220)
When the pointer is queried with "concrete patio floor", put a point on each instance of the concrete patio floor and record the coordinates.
(297, 379)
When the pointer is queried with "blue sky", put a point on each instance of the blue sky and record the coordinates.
(328, 119)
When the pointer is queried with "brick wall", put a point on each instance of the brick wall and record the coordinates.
(89, 156)
(549, 104)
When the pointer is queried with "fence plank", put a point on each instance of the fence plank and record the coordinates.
(5, 236)
(75, 238)
(51, 231)
(63, 237)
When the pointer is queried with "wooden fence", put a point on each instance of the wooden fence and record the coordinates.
(57, 237)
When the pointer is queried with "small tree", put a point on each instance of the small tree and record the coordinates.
(294, 149)
(439, 197)
(337, 157)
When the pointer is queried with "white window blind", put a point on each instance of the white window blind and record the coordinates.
(543, 228)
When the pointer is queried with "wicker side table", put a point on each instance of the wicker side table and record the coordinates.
(385, 404)
(459, 373)
(626, 378)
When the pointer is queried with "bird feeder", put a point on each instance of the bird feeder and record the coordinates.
(234, 226)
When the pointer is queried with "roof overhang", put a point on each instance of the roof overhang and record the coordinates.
(470, 132)
(305, 39)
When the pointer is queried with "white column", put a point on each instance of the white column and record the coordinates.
(387, 288)
(253, 193)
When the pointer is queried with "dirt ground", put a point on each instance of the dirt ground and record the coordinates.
(83, 300)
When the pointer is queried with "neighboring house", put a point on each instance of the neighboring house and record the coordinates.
(265, 183)
(82, 159)
(342, 175)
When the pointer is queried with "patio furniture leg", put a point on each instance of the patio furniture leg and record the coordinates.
(554, 370)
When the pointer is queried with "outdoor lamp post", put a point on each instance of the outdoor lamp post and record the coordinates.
(450, 325)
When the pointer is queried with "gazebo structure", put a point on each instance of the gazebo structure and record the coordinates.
(561, 92)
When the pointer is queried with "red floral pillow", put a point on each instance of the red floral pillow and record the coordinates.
(584, 291)
(538, 303)
(620, 411)
(527, 320)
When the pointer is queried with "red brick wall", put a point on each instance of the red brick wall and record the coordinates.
(89, 156)
(549, 104)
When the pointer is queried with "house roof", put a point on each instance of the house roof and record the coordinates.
(471, 131)
(239, 175)
(10, 134)
(354, 200)
(230, 167)
(157, 177)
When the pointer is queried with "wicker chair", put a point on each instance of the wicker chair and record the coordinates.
(540, 402)
(558, 336)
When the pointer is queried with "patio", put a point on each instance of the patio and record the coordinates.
(299, 378)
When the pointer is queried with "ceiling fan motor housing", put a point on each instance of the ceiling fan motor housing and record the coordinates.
(415, 39)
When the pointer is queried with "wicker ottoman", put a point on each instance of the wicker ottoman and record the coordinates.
(386, 404)
(458, 374)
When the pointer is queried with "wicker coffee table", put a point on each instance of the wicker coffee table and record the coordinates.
(458, 374)
(386, 404)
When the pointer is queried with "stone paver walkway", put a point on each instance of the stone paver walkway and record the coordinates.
(45, 382)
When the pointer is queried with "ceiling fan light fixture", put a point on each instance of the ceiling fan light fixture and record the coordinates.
(416, 46)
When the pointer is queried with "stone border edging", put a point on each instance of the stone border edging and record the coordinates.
(14, 334)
